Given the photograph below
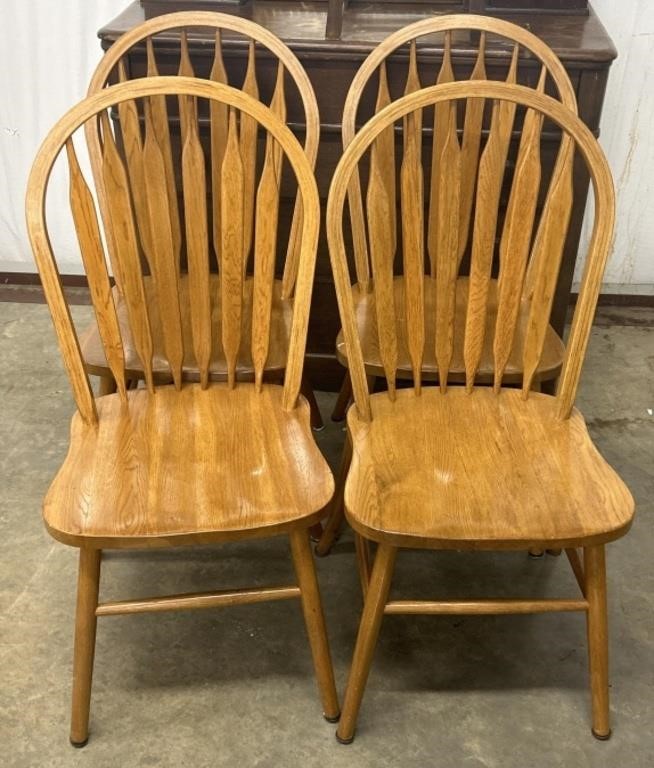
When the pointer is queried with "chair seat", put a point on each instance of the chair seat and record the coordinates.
(480, 471)
(280, 330)
(364, 306)
(184, 467)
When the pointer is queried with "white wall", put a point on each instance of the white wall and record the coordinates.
(49, 48)
(627, 135)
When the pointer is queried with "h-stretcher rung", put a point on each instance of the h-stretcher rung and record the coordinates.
(195, 600)
(481, 607)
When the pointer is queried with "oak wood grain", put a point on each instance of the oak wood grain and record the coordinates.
(505, 473)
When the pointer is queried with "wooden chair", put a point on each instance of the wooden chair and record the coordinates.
(135, 55)
(532, 62)
(187, 462)
(471, 467)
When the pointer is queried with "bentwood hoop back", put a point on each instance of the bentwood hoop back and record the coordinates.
(526, 244)
(524, 46)
(182, 462)
(173, 29)
(125, 260)
(473, 467)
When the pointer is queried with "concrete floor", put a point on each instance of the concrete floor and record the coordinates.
(235, 687)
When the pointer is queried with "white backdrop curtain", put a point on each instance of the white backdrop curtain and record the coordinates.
(48, 49)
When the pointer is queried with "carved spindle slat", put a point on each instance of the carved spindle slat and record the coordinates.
(187, 105)
(231, 272)
(516, 238)
(447, 249)
(278, 106)
(248, 139)
(413, 252)
(218, 116)
(267, 207)
(133, 147)
(381, 256)
(159, 111)
(163, 259)
(197, 250)
(291, 264)
(413, 84)
(95, 266)
(386, 146)
(439, 174)
(470, 149)
(126, 257)
(359, 241)
(489, 186)
(546, 258)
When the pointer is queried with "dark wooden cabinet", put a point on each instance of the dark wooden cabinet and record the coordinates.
(569, 27)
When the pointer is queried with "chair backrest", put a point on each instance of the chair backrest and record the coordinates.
(119, 219)
(523, 238)
(172, 31)
(435, 35)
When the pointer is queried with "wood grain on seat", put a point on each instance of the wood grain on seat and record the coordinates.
(189, 466)
(280, 328)
(478, 471)
(364, 306)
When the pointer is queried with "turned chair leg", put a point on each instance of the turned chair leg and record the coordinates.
(336, 513)
(305, 570)
(373, 612)
(598, 639)
(343, 400)
(88, 584)
(316, 418)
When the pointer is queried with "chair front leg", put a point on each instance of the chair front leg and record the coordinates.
(88, 584)
(315, 622)
(598, 639)
(373, 612)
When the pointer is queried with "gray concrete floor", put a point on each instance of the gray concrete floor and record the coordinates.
(234, 687)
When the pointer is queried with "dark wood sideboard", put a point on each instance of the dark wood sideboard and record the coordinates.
(571, 29)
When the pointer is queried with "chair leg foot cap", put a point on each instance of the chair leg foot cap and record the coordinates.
(334, 719)
(601, 736)
(536, 554)
(318, 429)
(79, 744)
(344, 741)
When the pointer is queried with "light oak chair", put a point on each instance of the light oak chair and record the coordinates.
(134, 55)
(187, 462)
(470, 467)
(532, 62)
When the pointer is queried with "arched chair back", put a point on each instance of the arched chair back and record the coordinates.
(173, 296)
(498, 50)
(528, 240)
(146, 50)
